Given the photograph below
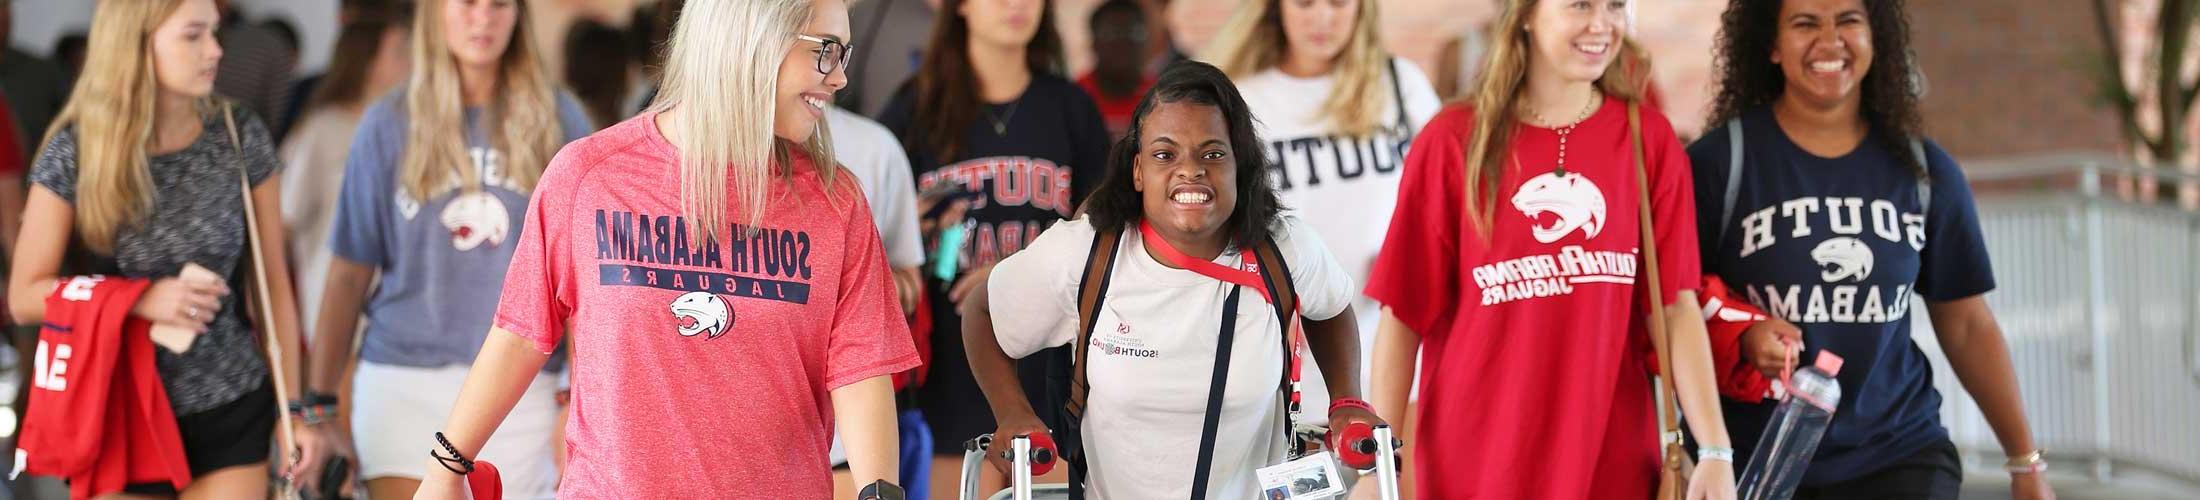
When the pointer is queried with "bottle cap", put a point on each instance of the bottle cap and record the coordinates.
(1828, 362)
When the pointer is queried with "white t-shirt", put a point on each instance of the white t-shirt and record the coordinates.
(1342, 186)
(873, 154)
(313, 164)
(1153, 351)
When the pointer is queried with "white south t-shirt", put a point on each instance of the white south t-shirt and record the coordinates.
(874, 155)
(1345, 187)
(1153, 350)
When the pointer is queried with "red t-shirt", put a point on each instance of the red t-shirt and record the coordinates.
(1533, 377)
(699, 371)
(1116, 111)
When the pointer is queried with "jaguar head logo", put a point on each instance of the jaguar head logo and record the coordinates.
(1559, 205)
(701, 312)
(475, 219)
(1843, 259)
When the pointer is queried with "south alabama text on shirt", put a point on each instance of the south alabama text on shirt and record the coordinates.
(1549, 275)
(1840, 231)
(760, 263)
(1005, 181)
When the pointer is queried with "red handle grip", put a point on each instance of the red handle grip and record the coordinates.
(1355, 445)
(1043, 452)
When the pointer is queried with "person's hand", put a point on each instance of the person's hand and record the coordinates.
(304, 463)
(956, 209)
(316, 445)
(908, 285)
(1770, 343)
(181, 303)
(1343, 418)
(2030, 486)
(1713, 480)
(996, 453)
(969, 281)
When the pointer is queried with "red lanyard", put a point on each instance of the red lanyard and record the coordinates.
(1249, 279)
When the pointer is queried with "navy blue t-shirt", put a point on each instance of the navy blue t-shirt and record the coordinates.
(1838, 246)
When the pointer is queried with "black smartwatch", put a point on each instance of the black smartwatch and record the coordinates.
(880, 490)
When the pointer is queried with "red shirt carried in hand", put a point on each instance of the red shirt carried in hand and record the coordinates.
(1534, 358)
(98, 416)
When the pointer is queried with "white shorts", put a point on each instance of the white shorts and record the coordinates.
(396, 411)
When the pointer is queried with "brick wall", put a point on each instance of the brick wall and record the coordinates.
(2011, 77)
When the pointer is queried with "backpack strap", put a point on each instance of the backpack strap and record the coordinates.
(1092, 290)
(1733, 178)
(1924, 182)
(1217, 387)
(1275, 276)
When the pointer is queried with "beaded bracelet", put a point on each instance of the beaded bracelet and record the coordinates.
(465, 465)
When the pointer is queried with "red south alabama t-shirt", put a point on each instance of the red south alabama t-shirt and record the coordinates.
(699, 371)
(1533, 379)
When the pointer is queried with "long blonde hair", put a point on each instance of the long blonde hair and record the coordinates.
(112, 109)
(1504, 74)
(1253, 41)
(722, 71)
(522, 120)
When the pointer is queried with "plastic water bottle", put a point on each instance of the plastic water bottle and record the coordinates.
(945, 261)
(1784, 452)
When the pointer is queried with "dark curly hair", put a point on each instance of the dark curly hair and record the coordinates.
(1751, 27)
(1116, 204)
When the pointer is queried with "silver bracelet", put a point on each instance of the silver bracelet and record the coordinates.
(1711, 453)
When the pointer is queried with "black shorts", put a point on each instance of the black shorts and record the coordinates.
(1935, 473)
(235, 433)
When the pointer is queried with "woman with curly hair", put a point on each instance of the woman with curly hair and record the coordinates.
(1822, 202)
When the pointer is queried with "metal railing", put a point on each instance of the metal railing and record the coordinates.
(2099, 299)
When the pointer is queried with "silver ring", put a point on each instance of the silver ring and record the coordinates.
(192, 312)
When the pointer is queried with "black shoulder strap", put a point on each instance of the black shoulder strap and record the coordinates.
(1217, 387)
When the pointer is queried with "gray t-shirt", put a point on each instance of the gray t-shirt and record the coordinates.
(197, 217)
(441, 260)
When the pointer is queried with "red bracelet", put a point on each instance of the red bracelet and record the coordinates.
(1334, 404)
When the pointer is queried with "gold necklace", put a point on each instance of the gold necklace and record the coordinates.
(1595, 99)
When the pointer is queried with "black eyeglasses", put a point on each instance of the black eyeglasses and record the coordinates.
(834, 54)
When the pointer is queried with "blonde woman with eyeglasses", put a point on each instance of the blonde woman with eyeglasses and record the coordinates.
(717, 275)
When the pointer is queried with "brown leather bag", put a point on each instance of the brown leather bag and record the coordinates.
(1677, 466)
